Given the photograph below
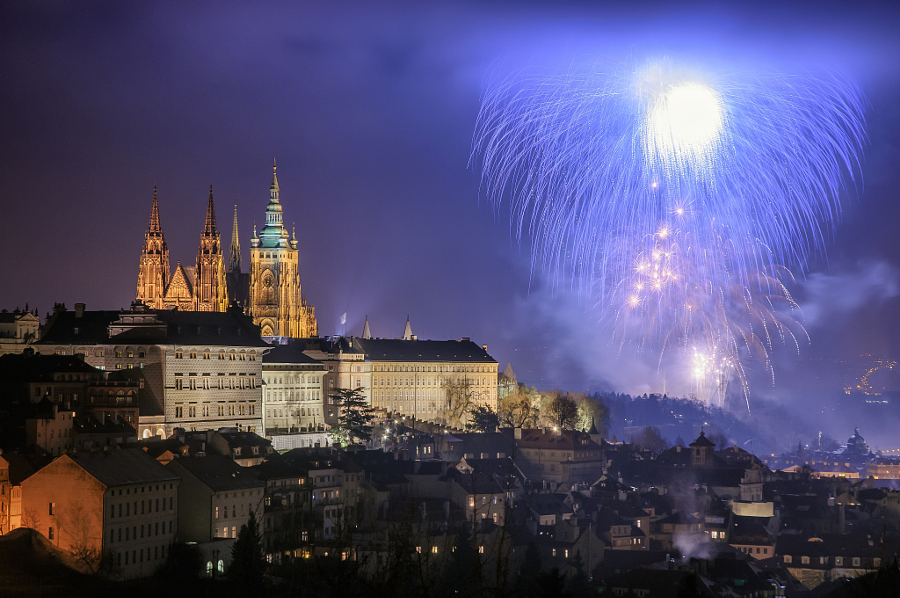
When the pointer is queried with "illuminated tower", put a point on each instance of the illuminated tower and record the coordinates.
(235, 260)
(153, 275)
(210, 292)
(276, 302)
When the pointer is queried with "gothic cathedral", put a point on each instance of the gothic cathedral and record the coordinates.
(270, 294)
(198, 288)
(276, 303)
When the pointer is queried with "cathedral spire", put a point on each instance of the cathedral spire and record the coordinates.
(210, 227)
(235, 265)
(154, 214)
(366, 332)
(273, 188)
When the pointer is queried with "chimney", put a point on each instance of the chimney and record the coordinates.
(517, 433)
(79, 310)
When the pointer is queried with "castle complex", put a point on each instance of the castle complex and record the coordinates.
(270, 293)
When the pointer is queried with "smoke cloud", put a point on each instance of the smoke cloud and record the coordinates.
(825, 297)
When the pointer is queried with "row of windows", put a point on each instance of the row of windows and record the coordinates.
(223, 511)
(429, 368)
(131, 533)
(158, 553)
(293, 380)
(291, 395)
(838, 560)
(146, 506)
(302, 412)
(221, 410)
(231, 355)
(223, 382)
(420, 381)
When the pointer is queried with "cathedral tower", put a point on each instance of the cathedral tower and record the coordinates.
(153, 274)
(210, 292)
(276, 302)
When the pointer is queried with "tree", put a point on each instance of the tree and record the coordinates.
(592, 412)
(354, 417)
(516, 410)
(578, 584)
(651, 440)
(460, 398)
(247, 560)
(562, 412)
(482, 419)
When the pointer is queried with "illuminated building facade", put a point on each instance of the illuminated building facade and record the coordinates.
(293, 391)
(276, 302)
(122, 504)
(198, 288)
(195, 370)
(406, 376)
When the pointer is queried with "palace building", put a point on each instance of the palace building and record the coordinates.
(270, 293)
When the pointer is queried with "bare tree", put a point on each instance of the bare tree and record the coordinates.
(516, 410)
(460, 399)
(31, 518)
(562, 412)
(650, 439)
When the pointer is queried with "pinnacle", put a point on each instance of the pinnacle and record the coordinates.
(154, 214)
(210, 227)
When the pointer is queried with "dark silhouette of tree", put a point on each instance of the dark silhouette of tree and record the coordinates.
(578, 583)
(550, 584)
(528, 575)
(354, 417)
(650, 439)
(562, 412)
(247, 560)
(482, 419)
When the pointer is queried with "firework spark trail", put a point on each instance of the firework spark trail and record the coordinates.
(583, 158)
(710, 181)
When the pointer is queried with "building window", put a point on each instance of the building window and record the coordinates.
(838, 561)
(856, 561)
(804, 560)
(51, 509)
(50, 535)
(179, 354)
(788, 560)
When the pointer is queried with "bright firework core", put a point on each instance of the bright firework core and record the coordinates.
(684, 125)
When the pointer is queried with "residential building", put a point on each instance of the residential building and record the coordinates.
(215, 499)
(120, 505)
(562, 456)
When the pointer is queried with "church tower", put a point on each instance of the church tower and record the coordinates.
(153, 274)
(276, 302)
(235, 260)
(210, 292)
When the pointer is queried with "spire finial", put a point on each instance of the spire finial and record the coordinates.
(210, 226)
(235, 245)
(154, 214)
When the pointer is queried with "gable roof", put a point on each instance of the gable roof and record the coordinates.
(121, 467)
(217, 472)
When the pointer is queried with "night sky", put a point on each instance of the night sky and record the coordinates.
(369, 109)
